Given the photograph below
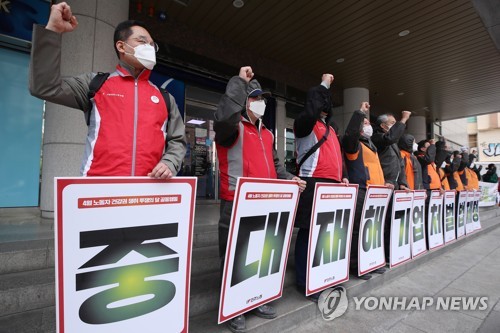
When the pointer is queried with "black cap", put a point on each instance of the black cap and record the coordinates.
(254, 90)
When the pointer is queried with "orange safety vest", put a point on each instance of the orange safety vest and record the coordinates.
(444, 180)
(435, 183)
(410, 177)
(472, 179)
(371, 164)
(460, 186)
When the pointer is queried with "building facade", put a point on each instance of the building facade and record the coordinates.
(484, 133)
(192, 65)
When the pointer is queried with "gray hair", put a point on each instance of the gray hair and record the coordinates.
(383, 118)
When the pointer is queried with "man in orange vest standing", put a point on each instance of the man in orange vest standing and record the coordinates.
(363, 168)
(426, 156)
(413, 170)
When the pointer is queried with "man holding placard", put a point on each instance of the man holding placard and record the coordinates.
(363, 167)
(245, 148)
(319, 160)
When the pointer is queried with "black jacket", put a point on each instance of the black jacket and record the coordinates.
(406, 143)
(451, 169)
(426, 158)
(318, 100)
(388, 152)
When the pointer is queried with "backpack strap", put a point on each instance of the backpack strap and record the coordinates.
(94, 87)
(166, 97)
(314, 148)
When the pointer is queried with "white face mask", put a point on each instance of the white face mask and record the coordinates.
(145, 54)
(258, 108)
(367, 131)
(415, 146)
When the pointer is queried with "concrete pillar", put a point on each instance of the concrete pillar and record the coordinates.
(416, 127)
(338, 118)
(87, 49)
(280, 128)
(353, 97)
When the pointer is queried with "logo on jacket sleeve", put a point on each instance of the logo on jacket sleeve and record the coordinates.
(155, 99)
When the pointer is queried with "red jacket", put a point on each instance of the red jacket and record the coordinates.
(127, 127)
(243, 149)
(326, 161)
(251, 155)
(126, 134)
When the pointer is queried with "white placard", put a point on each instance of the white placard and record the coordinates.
(418, 236)
(371, 253)
(461, 213)
(435, 220)
(330, 235)
(400, 245)
(469, 222)
(258, 244)
(449, 216)
(475, 212)
(123, 253)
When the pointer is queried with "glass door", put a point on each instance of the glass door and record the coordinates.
(201, 159)
(20, 133)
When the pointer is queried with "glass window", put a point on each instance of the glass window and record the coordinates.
(200, 159)
(20, 133)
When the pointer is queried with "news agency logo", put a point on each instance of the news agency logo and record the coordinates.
(446, 303)
(332, 303)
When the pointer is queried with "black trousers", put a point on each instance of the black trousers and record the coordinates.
(226, 208)
(303, 222)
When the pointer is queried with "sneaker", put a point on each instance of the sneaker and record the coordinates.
(238, 324)
(265, 311)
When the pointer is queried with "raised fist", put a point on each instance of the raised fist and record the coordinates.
(327, 78)
(365, 107)
(246, 73)
(61, 18)
(405, 115)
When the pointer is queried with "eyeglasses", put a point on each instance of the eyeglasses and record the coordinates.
(259, 98)
(144, 41)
